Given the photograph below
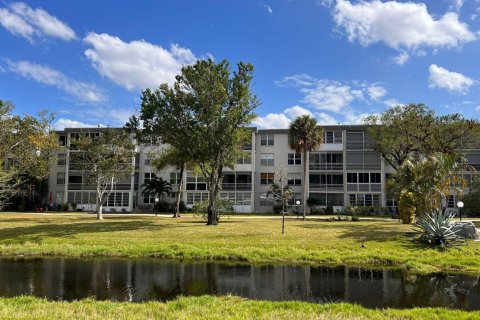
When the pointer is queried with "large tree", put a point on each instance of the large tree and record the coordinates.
(204, 114)
(304, 136)
(29, 146)
(105, 159)
(414, 130)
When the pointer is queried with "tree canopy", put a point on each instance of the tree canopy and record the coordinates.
(204, 114)
(413, 130)
(29, 146)
(105, 159)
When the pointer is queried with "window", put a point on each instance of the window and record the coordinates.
(294, 179)
(175, 178)
(267, 178)
(375, 177)
(237, 198)
(451, 201)
(364, 199)
(333, 136)
(266, 139)
(352, 177)
(148, 176)
(363, 177)
(246, 159)
(266, 199)
(195, 182)
(60, 177)
(62, 140)
(59, 198)
(294, 159)
(266, 159)
(74, 179)
(196, 197)
(62, 160)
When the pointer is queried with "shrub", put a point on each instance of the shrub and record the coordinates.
(329, 209)
(406, 207)
(224, 207)
(317, 210)
(436, 228)
(162, 206)
(182, 206)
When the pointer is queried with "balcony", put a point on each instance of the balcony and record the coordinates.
(326, 187)
(364, 187)
(237, 186)
(326, 166)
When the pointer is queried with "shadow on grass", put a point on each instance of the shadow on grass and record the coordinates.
(38, 232)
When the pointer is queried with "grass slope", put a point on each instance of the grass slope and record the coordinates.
(239, 238)
(208, 307)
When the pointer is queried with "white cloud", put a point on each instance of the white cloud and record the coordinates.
(297, 111)
(325, 118)
(63, 123)
(272, 121)
(82, 91)
(376, 92)
(477, 108)
(457, 4)
(401, 58)
(268, 8)
(400, 25)
(331, 95)
(136, 64)
(20, 19)
(392, 102)
(452, 81)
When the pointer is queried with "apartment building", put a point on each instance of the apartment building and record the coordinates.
(344, 171)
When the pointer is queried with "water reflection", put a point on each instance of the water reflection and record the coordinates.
(140, 280)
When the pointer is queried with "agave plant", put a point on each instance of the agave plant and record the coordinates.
(436, 228)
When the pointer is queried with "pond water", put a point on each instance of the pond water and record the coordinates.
(144, 280)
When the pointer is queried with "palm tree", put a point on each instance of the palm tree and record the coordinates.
(173, 157)
(156, 188)
(305, 135)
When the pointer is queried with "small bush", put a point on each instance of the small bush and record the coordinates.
(224, 207)
(329, 209)
(437, 228)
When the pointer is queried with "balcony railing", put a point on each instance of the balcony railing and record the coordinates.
(237, 186)
(364, 187)
(326, 166)
(325, 187)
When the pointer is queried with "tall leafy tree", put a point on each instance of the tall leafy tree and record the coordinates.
(304, 136)
(414, 130)
(105, 160)
(29, 145)
(205, 115)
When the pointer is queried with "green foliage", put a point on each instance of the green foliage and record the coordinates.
(28, 148)
(225, 207)
(305, 135)
(436, 228)
(406, 207)
(364, 210)
(424, 183)
(156, 188)
(472, 198)
(313, 202)
(408, 131)
(105, 160)
(205, 115)
(329, 209)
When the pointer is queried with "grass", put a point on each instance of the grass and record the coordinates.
(235, 239)
(208, 307)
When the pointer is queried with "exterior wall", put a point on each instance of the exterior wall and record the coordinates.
(345, 170)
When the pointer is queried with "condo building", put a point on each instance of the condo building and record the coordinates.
(344, 171)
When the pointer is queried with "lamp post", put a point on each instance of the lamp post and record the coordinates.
(297, 203)
(156, 205)
(460, 205)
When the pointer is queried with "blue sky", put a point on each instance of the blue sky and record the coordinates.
(339, 60)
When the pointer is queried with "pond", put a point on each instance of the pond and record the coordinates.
(144, 280)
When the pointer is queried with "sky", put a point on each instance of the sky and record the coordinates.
(339, 61)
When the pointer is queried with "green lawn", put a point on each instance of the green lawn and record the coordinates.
(235, 239)
(207, 307)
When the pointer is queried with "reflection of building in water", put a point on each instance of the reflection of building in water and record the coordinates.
(124, 280)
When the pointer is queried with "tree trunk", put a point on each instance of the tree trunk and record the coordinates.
(176, 214)
(305, 183)
(99, 201)
(212, 209)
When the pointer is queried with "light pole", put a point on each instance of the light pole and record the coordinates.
(460, 205)
(156, 205)
(298, 206)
